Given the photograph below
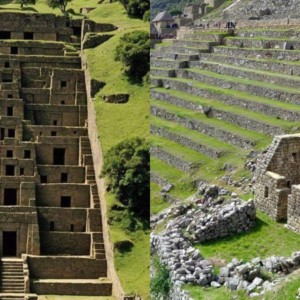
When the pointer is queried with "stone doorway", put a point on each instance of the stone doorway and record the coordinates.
(9, 244)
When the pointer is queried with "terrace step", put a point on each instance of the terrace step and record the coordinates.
(274, 66)
(260, 43)
(214, 128)
(180, 49)
(169, 55)
(286, 55)
(252, 87)
(252, 74)
(213, 109)
(194, 43)
(168, 63)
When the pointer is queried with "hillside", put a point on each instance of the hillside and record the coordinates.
(158, 6)
(115, 123)
(213, 111)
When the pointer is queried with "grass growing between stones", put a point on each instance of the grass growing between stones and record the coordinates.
(265, 239)
(260, 140)
(157, 203)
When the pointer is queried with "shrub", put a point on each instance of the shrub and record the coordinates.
(175, 12)
(146, 17)
(26, 2)
(61, 4)
(160, 283)
(133, 51)
(146, 80)
(127, 167)
(136, 7)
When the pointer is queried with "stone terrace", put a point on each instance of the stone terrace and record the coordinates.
(226, 94)
(50, 219)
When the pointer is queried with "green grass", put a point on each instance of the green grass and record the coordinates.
(183, 182)
(260, 140)
(234, 110)
(235, 94)
(157, 203)
(265, 239)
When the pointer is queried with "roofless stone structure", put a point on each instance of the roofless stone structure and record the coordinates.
(50, 220)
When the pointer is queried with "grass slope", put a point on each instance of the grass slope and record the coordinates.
(115, 123)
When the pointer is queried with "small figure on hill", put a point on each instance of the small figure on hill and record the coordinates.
(175, 56)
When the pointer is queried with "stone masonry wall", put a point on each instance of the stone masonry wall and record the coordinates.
(172, 160)
(203, 128)
(196, 146)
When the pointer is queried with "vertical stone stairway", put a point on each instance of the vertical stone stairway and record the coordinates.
(11, 279)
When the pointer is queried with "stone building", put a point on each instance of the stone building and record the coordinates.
(163, 23)
(277, 187)
(50, 220)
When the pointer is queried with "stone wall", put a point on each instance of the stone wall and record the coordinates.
(158, 180)
(255, 90)
(168, 64)
(209, 130)
(258, 53)
(171, 160)
(276, 34)
(242, 73)
(63, 267)
(187, 142)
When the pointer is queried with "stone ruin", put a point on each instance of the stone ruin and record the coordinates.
(50, 219)
(277, 187)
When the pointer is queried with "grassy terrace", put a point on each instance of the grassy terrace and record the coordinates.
(194, 135)
(183, 182)
(247, 49)
(260, 38)
(260, 59)
(157, 203)
(260, 140)
(232, 109)
(234, 94)
(255, 71)
(247, 81)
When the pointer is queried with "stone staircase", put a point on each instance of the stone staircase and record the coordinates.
(12, 278)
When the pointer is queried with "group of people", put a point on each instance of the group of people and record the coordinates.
(172, 25)
(218, 24)
(166, 36)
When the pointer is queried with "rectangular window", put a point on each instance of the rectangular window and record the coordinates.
(51, 226)
(11, 133)
(7, 78)
(294, 157)
(7, 65)
(65, 201)
(10, 111)
(53, 133)
(14, 50)
(72, 228)
(21, 171)
(44, 179)
(9, 153)
(288, 184)
(9, 96)
(63, 102)
(5, 35)
(10, 197)
(10, 170)
(59, 156)
(63, 84)
(28, 36)
(266, 192)
(64, 177)
(27, 154)
(55, 123)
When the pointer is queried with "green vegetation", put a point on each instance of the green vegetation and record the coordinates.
(175, 12)
(126, 166)
(265, 239)
(61, 4)
(157, 202)
(136, 8)
(161, 283)
(27, 2)
(133, 52)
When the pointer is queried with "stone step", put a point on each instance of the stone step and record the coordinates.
(206, 36)
(194, 43)
(163, 72)
(274, 66)
(170, 55)
(251, 74)
(284, 55)
(180, 49)
(251, 87)
(169, 64)
(266, 43)
(268, 33)
(213, 128)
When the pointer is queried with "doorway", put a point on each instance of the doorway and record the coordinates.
(59, 156)
(10, 197)
(9, 244)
